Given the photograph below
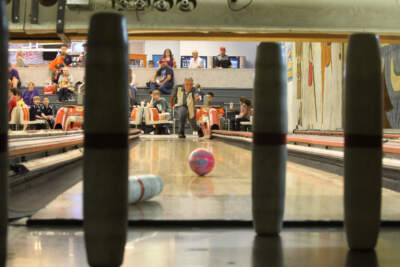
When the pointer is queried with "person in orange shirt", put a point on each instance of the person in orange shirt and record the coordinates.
(57, 61)
(63, 59)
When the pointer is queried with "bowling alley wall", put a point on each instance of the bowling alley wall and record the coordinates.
(315, 85)
(317, 89)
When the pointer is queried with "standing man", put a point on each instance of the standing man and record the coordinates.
(166, 81)
(196, 62)
(183, 99)
(62, 59)
(222, 61)
(64, 53)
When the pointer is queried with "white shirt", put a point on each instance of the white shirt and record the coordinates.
(133, 79)
(199, 63)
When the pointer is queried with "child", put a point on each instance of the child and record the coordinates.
(35, 112)
(47, 112)
(56, 76)
(12, 101)
(163, 109)
(20, 101)
(65, 90)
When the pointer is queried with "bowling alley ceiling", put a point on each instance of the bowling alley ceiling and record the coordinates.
(246, 20)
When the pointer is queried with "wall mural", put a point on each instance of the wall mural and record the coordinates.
(391, 57)
(319, 75)
(319, 85)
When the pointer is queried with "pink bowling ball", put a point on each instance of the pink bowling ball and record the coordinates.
(201, 161)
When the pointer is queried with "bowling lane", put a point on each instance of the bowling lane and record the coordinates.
(224, 194)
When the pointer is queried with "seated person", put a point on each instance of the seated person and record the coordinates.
(12, 101)
(210, 98)
(47, 112)
(35, 112)
(196, 62)
(219, 107)
(200, 91)
(30, 93)
(55, 77)
(244, 114)
(20, 100)
(13, 77)
(132, 88)
(65, 87)
(160, 104)
(169, 57)
(222, 61)
(166, 82)
(163, 108)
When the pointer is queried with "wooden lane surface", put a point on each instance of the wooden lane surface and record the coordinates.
(40, 133)
(392, 147)
(33, 146)
(25, 146)
(224, 194)
(339, 133)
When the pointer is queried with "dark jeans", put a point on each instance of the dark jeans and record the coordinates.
(235, 123)
(64, 94)
(51, 123)
(183, 115)
(162, 129)
(165, 88)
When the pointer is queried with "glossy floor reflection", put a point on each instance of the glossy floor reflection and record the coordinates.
(224, 194)
(36, 247)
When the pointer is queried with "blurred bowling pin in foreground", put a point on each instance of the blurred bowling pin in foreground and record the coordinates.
(144, 187)
(363, 141)
(106, 141)
(3, 133)
(269, 139)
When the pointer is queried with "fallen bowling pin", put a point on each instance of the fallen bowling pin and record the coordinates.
(144, 187)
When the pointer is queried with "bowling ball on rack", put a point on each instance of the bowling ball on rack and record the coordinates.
(201, 161)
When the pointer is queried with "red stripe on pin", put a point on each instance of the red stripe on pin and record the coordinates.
(269, 139)
(141, 189)
(363, 141)
(3, 142)
(106, 140)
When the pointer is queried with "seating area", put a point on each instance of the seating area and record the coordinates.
(20, 115)
(53, 98)
(149, 117)
(221, 95)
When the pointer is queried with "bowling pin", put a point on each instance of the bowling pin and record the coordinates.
(267, 249)
(144, 187)
(363, 141)
(269, 139)
(361, 258)
(106, 140)
(3, 133)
